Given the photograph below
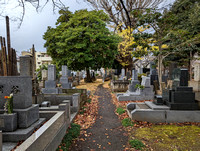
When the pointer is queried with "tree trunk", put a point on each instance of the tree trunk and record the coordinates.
(88, 78)
(160, 59)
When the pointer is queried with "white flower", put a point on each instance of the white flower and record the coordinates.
(11, 95)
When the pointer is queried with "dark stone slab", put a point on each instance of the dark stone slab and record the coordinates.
(20, 86)
(176, 74)
(158, 100)
(182, 106)
(172, 66)
(153, 78)
(164, 78)
(184, 77)
(182, 97)
(184, 88)
(166, 95)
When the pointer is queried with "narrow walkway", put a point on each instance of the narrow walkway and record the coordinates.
(107, 133)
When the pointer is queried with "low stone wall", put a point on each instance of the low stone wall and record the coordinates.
(47, 137)
(83, 93)
(119, 85)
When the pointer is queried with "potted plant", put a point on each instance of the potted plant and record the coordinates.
(140, 87)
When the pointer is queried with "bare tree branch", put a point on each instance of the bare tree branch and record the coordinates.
(21, 4)
(120, 10)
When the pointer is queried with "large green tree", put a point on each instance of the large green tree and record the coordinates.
(184, 32)
(82, 41)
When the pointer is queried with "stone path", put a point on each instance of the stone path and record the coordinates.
(106, 133)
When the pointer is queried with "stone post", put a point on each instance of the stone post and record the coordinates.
(25, 66)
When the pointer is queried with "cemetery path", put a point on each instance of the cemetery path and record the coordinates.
(107, 132)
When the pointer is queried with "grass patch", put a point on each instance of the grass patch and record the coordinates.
(170, 137)
(71, 134)
(120, 110)
(127, 122)
(137, 144)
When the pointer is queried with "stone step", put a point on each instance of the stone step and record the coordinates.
(22, 134)
(156, 107)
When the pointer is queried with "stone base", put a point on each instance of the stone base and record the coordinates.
(50, 84)
(135, 98)
(22, 134)
(156, 107)
(163, 116)
(26, 117)
(131, 87)
(50, 90)
(56, 99)
(183, 106)
(8, 122)
(66, 85)
(195, 85)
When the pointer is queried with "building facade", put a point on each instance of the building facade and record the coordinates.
(42, 58)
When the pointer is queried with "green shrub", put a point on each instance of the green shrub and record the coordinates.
(120, 110)
(71, 134)
(137, 144)
(127, 122)
(138, 86)
(83, 110)
(89, 100)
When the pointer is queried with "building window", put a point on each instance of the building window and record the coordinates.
(39, 62)
(42, 55)
(38, 55)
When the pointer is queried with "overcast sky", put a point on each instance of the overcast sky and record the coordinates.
(34, 24)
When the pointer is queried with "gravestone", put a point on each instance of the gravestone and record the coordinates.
(134, 81)
(153, 73)
(181, 97)
(64, 79)
(26, 66)
(172, 66)
(69, 73)
(50, 84)
(122, 74)
(26, 112)
(128, 75)
(140, 94)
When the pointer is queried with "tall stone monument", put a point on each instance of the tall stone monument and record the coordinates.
(50, 84)
(24, 112)
(64, 79)
(153, 73)
(26, 66)
(122, 74)
(134, 81)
